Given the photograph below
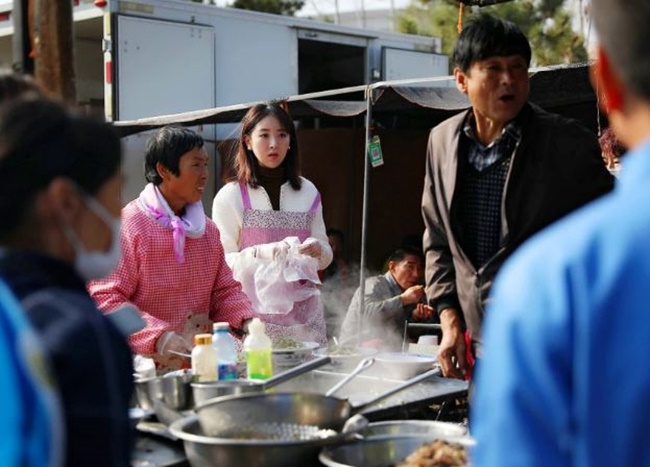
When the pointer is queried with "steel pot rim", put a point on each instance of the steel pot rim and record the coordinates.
(177, 428)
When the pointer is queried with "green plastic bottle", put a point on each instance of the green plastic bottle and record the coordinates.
(257, 350)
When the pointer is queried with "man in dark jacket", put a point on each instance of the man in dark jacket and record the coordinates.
(495, 175)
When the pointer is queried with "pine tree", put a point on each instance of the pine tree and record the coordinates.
(546, 23)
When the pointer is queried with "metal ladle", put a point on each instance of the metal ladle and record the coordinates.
(362, 366)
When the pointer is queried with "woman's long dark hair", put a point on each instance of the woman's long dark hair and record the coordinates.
(246, 163)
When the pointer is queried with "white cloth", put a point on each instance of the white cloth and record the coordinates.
(228, 213)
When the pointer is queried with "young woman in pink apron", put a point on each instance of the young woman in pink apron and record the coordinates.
(269, 203)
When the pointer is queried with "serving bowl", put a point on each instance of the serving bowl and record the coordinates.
(405, 365)
(348, 359)
(381, 452)
(412, 428)
(294, 356)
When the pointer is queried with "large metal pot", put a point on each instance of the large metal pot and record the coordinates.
(206, 451)
(224, 414)
(204, 391)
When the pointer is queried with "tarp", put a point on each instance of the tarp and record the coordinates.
(553, 88)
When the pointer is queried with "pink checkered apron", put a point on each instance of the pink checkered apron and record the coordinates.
(306, 320)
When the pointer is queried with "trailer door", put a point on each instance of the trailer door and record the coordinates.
(409, 64)
(161, 68)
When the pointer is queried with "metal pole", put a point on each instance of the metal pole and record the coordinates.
(21, 43)
(364, 214)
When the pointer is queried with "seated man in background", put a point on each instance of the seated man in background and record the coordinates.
(390, 300)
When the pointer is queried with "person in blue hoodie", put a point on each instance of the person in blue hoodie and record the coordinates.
(60, 185)
(31, 425)
(563, 379)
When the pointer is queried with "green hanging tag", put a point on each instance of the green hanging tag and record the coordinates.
(374, 152)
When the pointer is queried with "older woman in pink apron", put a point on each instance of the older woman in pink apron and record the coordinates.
(268, 208)
(172, 267)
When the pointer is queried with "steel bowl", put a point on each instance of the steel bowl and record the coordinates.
(142, 395)
(404, 365)
(346, 361)
(167, 395)
(207, 451)
(416, 428)
(283, 358)
(379, 452)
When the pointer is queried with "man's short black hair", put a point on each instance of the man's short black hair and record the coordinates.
(167, 146)
(487, 36)
(401, 253)
(40, 141)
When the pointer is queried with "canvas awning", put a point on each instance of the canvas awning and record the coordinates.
(554, 88)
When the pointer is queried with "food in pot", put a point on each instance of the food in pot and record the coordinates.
(338, 350)
(437, 454)
(286, 343)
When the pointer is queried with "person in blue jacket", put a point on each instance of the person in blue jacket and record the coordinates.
(564, 378)
(60, 184)
(31, 426)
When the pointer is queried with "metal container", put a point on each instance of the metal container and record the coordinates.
(378, 452)
(415, 428)
(167, 395)
(225, 413)
(344, 362)
(205, 451)
(283, 358)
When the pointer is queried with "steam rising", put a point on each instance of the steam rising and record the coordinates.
(337, 293)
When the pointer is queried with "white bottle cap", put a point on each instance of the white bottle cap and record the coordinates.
(256, 326)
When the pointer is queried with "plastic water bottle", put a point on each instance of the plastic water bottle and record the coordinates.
(204, 360)
(257, 349)
(224, 346)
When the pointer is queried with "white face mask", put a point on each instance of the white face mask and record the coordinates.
(96, 264)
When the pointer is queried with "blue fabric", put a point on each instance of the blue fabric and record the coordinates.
(564, 380)
(89, 357)
(29, 423)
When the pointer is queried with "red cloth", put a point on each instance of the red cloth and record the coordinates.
(469, 356)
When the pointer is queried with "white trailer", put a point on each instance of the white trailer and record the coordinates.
(143, 58)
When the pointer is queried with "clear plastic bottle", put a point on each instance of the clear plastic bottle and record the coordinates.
(204, 359)
(224, 346)
(257, 349)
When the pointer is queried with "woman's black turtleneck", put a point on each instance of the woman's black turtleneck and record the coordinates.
(271, 180)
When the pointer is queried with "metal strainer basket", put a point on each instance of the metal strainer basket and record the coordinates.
(276, 431)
